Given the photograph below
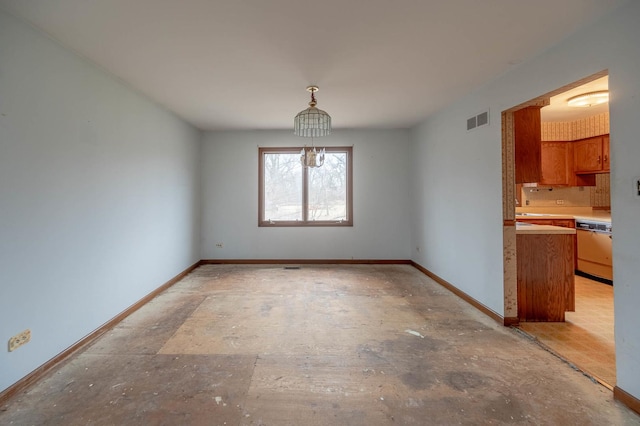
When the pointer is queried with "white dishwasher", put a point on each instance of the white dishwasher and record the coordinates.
(594, 249)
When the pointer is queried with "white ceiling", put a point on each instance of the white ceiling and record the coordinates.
(244, 64)
(558, 110)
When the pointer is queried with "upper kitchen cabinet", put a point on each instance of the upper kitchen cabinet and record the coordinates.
(557, 163)
(606, 160)
(527, 135)
(591, 155)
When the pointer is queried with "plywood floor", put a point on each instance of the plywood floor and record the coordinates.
(322, 345)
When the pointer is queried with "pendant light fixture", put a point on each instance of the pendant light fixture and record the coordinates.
(312, 123)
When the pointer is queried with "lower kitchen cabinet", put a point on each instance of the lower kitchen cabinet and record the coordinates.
(565, 223)
(546, 281)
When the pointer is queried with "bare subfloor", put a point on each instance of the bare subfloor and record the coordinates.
(322, 345)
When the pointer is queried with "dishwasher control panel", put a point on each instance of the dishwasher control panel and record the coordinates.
(594, 225)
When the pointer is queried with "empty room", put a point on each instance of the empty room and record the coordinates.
(300, 213)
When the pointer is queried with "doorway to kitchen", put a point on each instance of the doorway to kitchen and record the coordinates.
(573, 189)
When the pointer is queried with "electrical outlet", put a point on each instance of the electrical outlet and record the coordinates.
(559, 202)
(219, 245)
(19, 339)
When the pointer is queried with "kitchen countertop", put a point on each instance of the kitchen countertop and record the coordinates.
(544, 215)
(602, 216)
(529, 228)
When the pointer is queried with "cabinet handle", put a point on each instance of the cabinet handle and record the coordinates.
(606, 158)
(598, 159)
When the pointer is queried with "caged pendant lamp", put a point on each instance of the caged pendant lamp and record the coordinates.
(312, 123)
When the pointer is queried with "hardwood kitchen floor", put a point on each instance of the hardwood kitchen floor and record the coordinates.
(586, 338)
(319, 345)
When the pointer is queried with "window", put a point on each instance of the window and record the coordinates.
(293, 195)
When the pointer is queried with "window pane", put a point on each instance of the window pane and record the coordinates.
(328, 189)
(282, 187)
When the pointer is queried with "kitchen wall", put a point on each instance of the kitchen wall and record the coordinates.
(98, 197)
(582, 196)
(453, 169)
(601, 193)
(587, 127)
(549, 197)
(380, 199)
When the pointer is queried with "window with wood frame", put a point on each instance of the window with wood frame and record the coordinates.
(290, 194)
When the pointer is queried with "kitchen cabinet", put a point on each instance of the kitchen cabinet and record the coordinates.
(606, 162)
(527, 136)
(565, 223)
(546, 281)
(557, 163)
(591, 155)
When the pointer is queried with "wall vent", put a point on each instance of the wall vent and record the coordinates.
(471, 123)
(479, 120)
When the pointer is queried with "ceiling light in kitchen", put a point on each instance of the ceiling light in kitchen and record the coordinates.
(589, 99)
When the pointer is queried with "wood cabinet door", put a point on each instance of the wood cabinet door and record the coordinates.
(527, 135)
(545, 283)
(555, 164)
(588, 155)
(606, 160)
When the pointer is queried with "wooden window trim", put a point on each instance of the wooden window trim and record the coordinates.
(304, 223)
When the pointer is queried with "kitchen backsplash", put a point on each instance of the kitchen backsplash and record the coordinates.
(573, 130)
(546, 196)
(582, 196)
